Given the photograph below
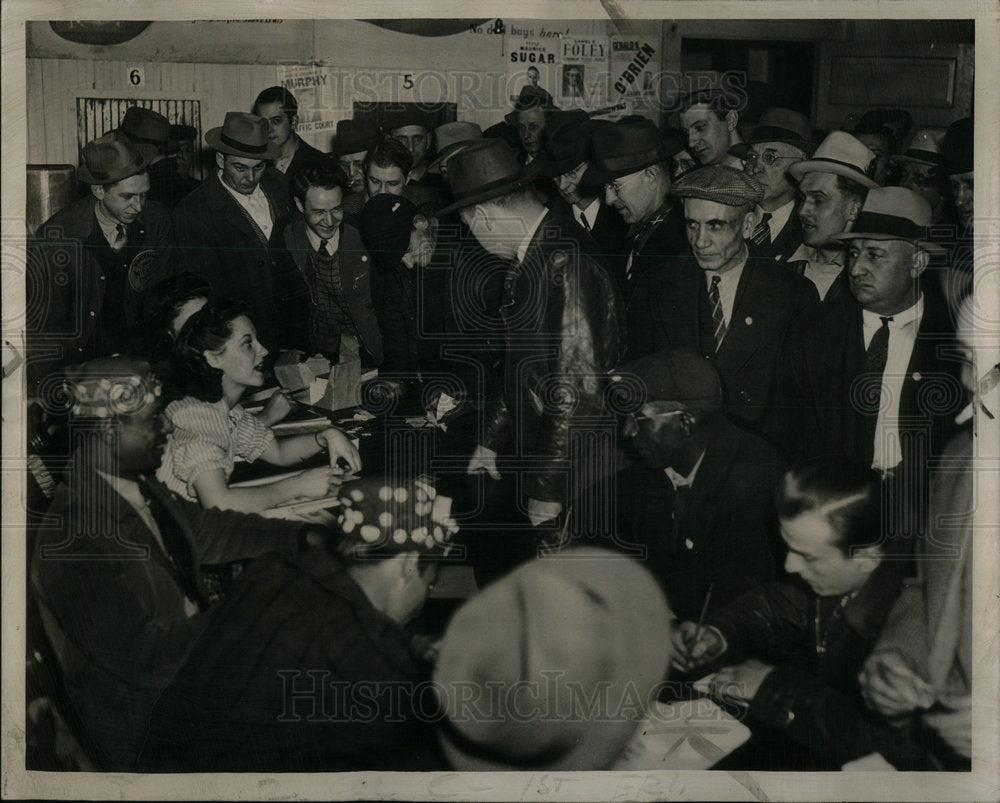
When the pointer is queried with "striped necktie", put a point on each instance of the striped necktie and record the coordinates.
(762, 232)
(718, 315)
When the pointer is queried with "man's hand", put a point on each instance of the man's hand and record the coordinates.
(891, 686)
(741, 682)
(692, 649)
(339, 445)
(539, 512)
(483, 459)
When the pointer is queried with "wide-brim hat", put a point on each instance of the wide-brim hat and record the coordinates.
(483, 171)
(840, 154)
(565, 143)
(779, 125)
(410, 115)
(109, 159)
(182, 133)
(893, 213)
(923, 147)
(957, 147)
(244, 135)
(530, 97)
(145, 127)
(624, 148)
(352, 137)
(452, 136)
(584, 619)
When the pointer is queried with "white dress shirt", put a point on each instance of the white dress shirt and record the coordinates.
(256, 204)
(728, 282)
(902, 336)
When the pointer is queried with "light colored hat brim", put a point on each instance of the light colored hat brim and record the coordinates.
(799, 169)
(926, 245)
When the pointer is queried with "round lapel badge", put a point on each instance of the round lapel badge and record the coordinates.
(141, 269)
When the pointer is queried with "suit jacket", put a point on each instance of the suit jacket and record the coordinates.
(767, 298)
(721, 530)
(788, 239)
(656, 248)
(290, 250)
(166, 185)
(610, 234)
(215, 240)
(815, 410)
(118, 609)
(307, 156)
(563, 317)
(67, 279)
(241, 702)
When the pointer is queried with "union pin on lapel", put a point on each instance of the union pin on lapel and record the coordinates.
(748, 321)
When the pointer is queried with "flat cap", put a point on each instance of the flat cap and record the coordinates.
(723, 185)
(678, 375)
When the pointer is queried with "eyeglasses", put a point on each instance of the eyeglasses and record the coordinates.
(631, 420)
(616, 186)
(768, 157)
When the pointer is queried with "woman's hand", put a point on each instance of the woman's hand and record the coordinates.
(317, 483)
(338, 445)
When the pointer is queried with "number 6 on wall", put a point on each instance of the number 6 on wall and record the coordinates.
(136, 76)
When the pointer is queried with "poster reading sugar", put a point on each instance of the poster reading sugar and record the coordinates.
(533, 62)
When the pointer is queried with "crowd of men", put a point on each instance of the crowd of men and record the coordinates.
(652, 325)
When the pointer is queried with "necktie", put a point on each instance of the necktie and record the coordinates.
(718, 316)
(323, 247)
(583, 221)
(878, 350)
(120, 239)
(762, 232)
(175, 542)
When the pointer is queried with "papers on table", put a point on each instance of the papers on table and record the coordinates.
(684, 735)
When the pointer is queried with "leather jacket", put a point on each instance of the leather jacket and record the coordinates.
(565, 332)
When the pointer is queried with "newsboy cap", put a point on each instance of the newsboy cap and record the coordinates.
(585, 618)
(721, 184)
(678, 375)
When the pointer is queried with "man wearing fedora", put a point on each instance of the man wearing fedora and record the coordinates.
(450, 138)
(350, 146)
(565, 158)
(529, 118)
(142, 126)
(278, 106)
(223, 228)
(630, 159)
(867, 376)
(957, 167)
(724, 300)
(92, 261)
(832, 187)
(780, 139)
(564, 327)
(919, 168)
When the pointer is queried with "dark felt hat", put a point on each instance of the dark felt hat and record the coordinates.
(957, 147)
(565, 143)
(352, 137)
(109, 159)
(450, 137)
(409, 115)
(624, 148)
(678, 375)
(483, 171)
(243, 135)
(779, 125)
(183, 133)
(531, 97)
(386, 223)
(146, 127)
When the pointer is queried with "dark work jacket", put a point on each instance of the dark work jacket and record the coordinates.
(767, 299)
(66, 286)
(610, 234)
(305, 157)
(296, 671)
(216, 241)
(290, 250)
(656, 249)
(563, 319)
(722, 530)
(166, 185)
(818, 646)
(113, 601)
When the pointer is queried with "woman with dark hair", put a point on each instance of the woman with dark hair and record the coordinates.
(216, 358)
(168, 306)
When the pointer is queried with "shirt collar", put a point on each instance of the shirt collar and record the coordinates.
(108, 225)
(127, 489)
(908, 317)
(806, 253)
(683, 482)
(256, 195)
(315, 240)
(730, 277)
(522, 249)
